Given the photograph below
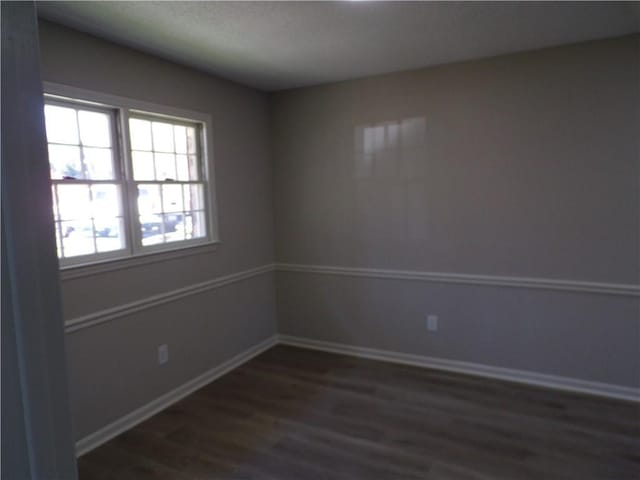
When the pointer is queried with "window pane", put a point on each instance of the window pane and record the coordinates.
(167, 210)
(192, 141)
(143, 166)
(181, 138)
(182, 163)
(95, 128)
(162, 137)
(187, 168)
(73, 202)
(187, 225)
(109, 234)
(64, 161)
(173, 227)
(193, 197)
(99, 163)
(149, 201)
(82, 219)
(165, 166)
(172, 198)
(77, 238)
(61, 124)
(198, 225)
(140, 132)
(152, 229)
(194, 173)
(106, 201)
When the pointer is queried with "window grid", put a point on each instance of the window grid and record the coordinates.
(80, 144)
(85, 177)
(85, 174)
(155, 174)
(190, 212)
(92, 216)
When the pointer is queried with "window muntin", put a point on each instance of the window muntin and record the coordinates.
(86, 184)
(110, 201)
(168, 173)
(80, 142)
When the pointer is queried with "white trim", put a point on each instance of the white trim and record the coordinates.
(142, 413)
(126, 309)
(519, 376)
(108, 100)
(87, 270)
(132, 419)
(469, 279)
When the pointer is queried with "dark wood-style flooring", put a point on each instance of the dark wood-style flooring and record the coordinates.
(298, 414)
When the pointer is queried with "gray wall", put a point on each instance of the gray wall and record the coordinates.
(523, 165)
(113, 366)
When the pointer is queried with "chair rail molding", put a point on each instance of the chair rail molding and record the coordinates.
(576, 286)
(106, 315)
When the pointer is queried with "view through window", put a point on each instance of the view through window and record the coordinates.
(112, 202)
(169, 184)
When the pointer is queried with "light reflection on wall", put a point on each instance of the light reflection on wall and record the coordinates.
(390, 172)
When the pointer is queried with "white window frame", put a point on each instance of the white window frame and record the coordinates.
(134, 252)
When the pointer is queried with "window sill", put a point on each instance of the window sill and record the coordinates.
(87, 270)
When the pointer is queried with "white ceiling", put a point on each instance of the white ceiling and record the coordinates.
(278, 45)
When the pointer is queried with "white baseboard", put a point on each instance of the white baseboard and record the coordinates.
(122, 424)
(520, 376)
(130, 420)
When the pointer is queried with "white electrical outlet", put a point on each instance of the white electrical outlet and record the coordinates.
(163, 354)
(432, 323)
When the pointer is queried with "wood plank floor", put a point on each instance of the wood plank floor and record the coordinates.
(300, 414)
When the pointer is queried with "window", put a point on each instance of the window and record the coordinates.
(169, 183)
(126, 182)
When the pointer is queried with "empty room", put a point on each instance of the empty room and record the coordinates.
(343, 240)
